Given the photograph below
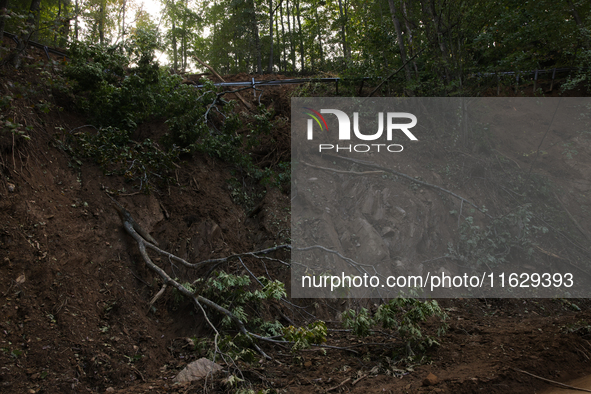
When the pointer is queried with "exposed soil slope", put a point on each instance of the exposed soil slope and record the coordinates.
(74, 292)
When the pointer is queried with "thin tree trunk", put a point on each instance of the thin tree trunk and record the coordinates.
(575, 13)
(184, 38)
(435, 17)
(65, 27)
(101, 22)
(270, 67)
(257, 39)
(283, 63)
(290, 34)
(33, 19)
(184, 50)
(293, 38)
(175, 63)
(400, 39)
(409, 31)
(343, 17)
(301, 36)
(319, 36)
(77, 10)
(124, 6)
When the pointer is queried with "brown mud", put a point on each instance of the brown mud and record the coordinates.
(74, 291)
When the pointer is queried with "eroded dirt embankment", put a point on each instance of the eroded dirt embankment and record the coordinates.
(74, 291)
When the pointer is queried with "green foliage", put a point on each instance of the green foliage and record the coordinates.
(304, 337)
(492, 245)
(237, 347)
(113, 150)
(121, 86)
(234, 293)
(360, 322)
(17, 129)
(404, 316)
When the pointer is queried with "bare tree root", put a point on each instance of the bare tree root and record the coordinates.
(130, 226)
(139, 235)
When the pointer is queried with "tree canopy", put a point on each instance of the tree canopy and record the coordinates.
(442, 41)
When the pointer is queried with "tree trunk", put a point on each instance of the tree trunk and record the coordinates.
(284, 61)
(257, 39)
(101, 22)
(409, 31)
(175, 59)
(343, 17)
(319, 32)
(400, 39)
(184, 50)
(124, 6)
(435, 17)
(290, 34)
(293, 38)
(65, 27)
(33, 19)
(270, 67)
(301, 36)
(77, 10)
(184, 37)
(575, 13)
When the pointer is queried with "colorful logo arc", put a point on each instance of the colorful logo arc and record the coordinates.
(315, 116)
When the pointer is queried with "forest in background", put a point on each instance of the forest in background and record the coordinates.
(441, 43)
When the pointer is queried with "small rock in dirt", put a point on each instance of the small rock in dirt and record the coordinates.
(110, 390)
(197, 370)
(11, 187)
(430, 380)
(308, 364)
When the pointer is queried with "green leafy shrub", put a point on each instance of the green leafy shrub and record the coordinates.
(492, 245)
(234, 293)
(304, 337)
(404, 316)
(120, 87)
(114, 151)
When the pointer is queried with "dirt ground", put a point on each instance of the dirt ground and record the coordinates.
(74, 291)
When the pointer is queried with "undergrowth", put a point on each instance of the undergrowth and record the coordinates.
(402, 315)
(120, 87)
(491, 245)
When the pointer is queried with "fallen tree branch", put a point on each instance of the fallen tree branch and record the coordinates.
(372, 165)
(359, 379)
(128, 224)
(339, 385)
(126, 217)
(131, 227)
(552, 381)
(246, 104)
(156, 297)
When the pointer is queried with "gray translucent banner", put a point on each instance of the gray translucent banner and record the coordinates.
(441, 197)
